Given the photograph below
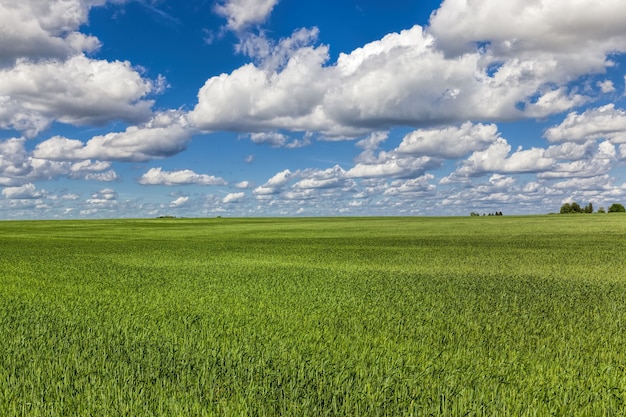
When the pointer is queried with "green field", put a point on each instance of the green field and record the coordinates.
(489, 316)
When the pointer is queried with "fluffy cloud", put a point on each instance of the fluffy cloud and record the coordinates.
(77, 91)
(451, 142)
(243, 13)
(497, 158)
(243, 185)
(334, 177)
(234, 198)
(266, 99)
(278, 140)
(103, 198)
(155, 176)
(597, 183)
(406, 78)
(558, 26)
(18, 167)
(597, 159)
(370, 145)
(410, 188)
(274, 184)
(44, 29)
(391, 167)
(46, 77)
(179, 202)
(602, 122)
(164, 135)
(24, 192)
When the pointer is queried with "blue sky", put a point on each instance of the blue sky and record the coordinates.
(143, 108)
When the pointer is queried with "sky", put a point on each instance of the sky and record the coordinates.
(205, 108)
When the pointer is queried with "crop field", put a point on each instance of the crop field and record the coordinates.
(473, 316)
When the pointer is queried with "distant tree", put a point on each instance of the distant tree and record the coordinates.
(473, 213)
(617, 208)
(574, 207)
(601, 210)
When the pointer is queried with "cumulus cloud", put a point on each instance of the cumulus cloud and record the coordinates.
(450, 142)
(164, 135)
(156, 176)
(241, 14)
(274, 184)
(44, 29)
(391, 166)
(179, 202)
(24, 192)
(497, 158)
(597, 159)
(606, 86)
(408, 78)
(266, 99)
(77, 91)
(598, 183)
(558, 26)
(18, 167)
(601, 122)
(243, 185)
(234, 198)
(412, 187)
(103, 198)
(278, 140)
(370, 145)
(334, 177)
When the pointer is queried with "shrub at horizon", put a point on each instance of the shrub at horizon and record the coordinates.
(617, 208)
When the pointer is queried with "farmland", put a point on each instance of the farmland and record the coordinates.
(490, 316)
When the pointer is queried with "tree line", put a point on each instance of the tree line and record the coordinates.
(574, 207)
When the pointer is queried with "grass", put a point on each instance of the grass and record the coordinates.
(489, 316)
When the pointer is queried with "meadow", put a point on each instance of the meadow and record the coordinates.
(472, 316)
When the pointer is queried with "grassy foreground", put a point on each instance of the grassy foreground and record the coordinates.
(489, 316)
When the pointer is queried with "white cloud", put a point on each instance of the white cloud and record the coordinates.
(450, 142)
(78, 91)
(108, 176)
(602, 122)
(606, 86)
(234, 198)
(560, 26)
(105, 198)
(597, 183)
(334, 177)
(497, 158)
(278, 140)
(156, 176)
(274, 184)
(570, 150)
(18, 167)
(179, 202)
(164, 135)
(420, 186)
(44, 29)
(24, 192)
(597, 159)
(391, 166)
(404, 78)
(370, 145)
(243, 185)
(253, 98)
(241, 14)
